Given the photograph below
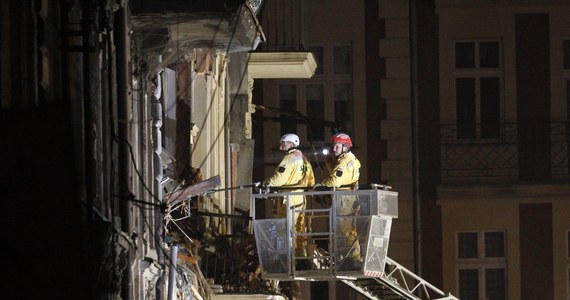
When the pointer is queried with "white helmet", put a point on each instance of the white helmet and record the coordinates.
(290, 137)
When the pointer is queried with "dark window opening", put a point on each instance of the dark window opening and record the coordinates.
(495, 284)
(469, 284)
(288, 101)
(489, 55)
(490, 107)
(467, 245)
(464, 55)
(343, 106)
(342, 60)
(466, 118)
(494, 244)
(315, 96)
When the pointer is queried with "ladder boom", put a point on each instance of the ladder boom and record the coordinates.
(397, 281)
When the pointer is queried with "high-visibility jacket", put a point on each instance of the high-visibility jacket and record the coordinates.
(345, 173)
(293, 171)
(344, 176)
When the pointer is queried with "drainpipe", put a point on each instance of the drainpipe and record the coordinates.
(229, 174)
(172, 272)
(415, 140)
(122, 47)
(227, 147)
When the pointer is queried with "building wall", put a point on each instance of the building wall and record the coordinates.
(561, 246)
(465, 23)
(467, 212)
(483, 208)
(473, 206)
(396, 128)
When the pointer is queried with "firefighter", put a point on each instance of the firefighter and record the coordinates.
(293, 174)
(344, 176)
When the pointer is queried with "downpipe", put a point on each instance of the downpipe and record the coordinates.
(415, 139)
(172, 271)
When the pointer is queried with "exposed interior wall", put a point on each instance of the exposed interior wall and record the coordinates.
(208, 113)
(239, 97)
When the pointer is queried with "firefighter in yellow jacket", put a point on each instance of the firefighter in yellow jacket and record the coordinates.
(344, 176)
(294, 171)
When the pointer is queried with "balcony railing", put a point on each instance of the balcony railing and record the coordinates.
(498, 158)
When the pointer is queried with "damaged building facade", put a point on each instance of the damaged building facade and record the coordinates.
(114, 114)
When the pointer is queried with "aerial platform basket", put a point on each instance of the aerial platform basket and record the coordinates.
(323, 250)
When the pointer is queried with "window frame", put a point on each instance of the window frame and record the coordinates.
(481, 263)
(328, 79)
(280, 100)
(478, 73)
(325, 95)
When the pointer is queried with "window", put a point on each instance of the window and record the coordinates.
(481, 264)
(326, 99)
(288, 101)
(342, 59)
(342, 102)
(478, 89)
(315, 97)
(467, 245)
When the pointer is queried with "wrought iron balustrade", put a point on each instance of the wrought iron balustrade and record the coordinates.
(496, 158)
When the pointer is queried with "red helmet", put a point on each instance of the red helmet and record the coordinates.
(342, 138)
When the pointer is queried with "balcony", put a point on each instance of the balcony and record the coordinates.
(282, 64)
(486, 160)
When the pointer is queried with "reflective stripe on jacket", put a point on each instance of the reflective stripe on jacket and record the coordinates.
(346, 172)
(293, 171)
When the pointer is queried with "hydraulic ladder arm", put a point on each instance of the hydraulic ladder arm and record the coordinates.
(399, 283)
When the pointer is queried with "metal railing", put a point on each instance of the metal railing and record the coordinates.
(493, 158)
(222, 244)
(346, 234)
